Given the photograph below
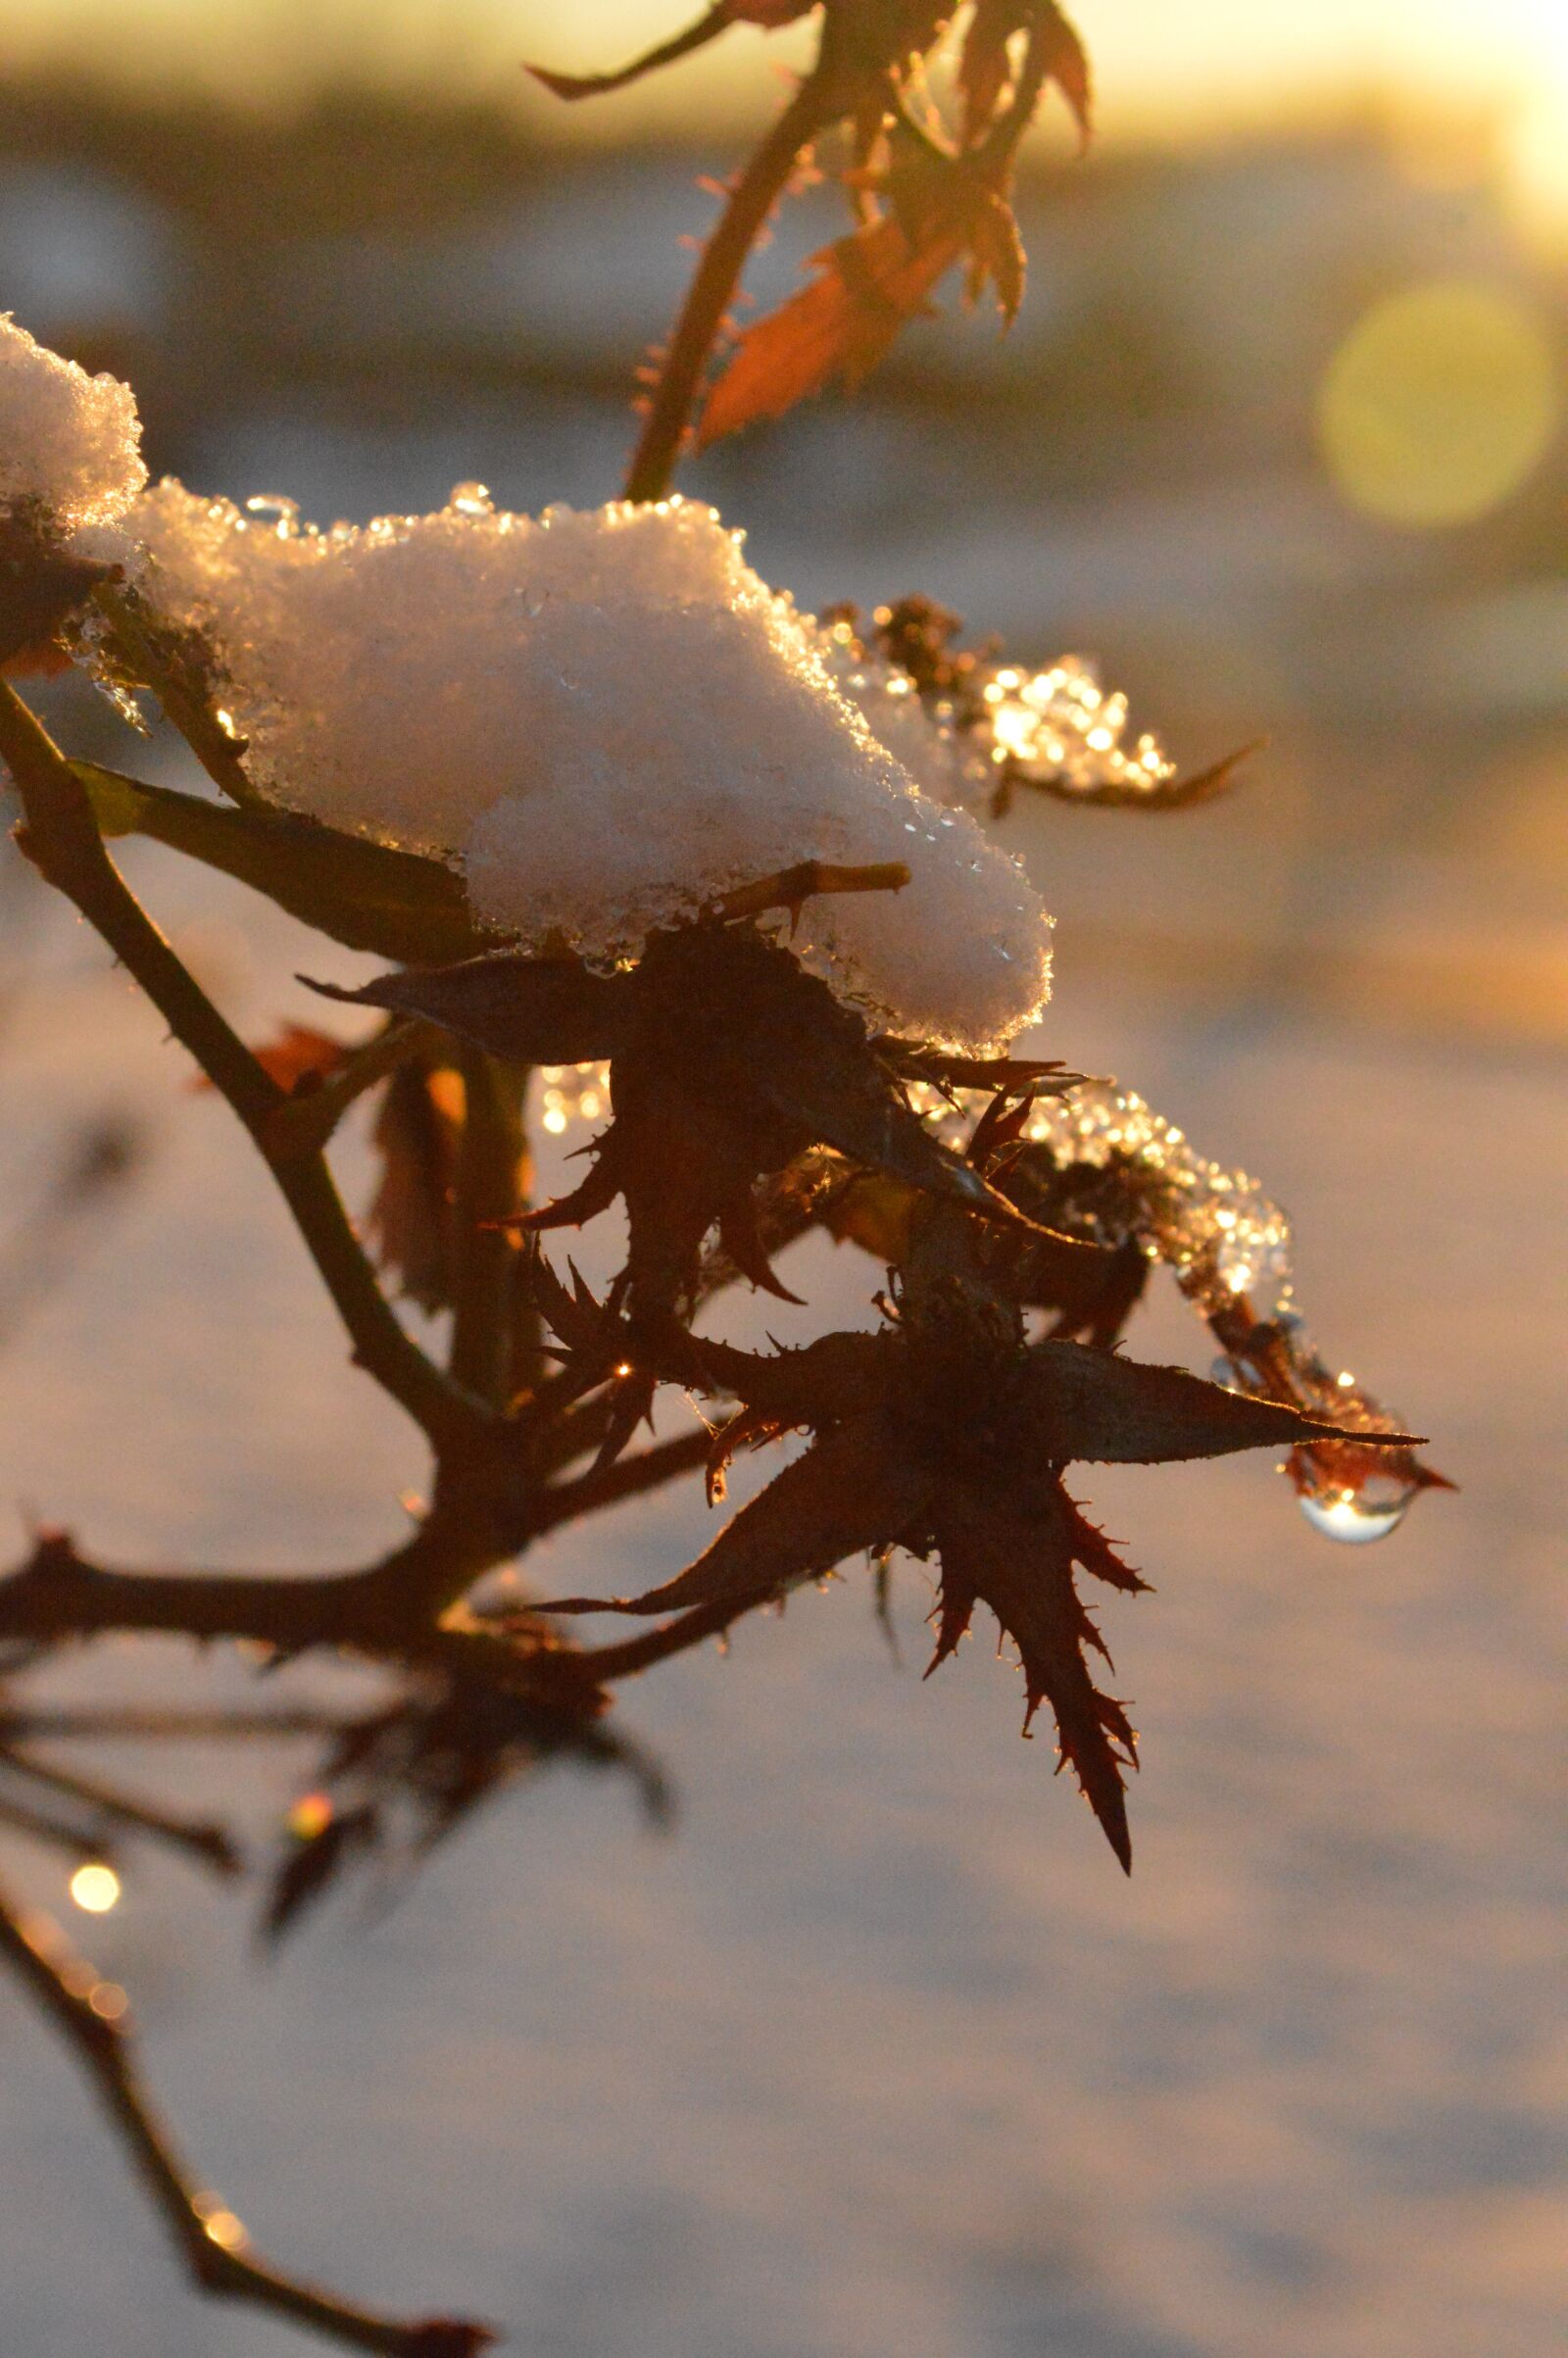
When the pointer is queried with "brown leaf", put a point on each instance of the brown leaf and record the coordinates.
(411, 1220)
(533, 1010)
(858, 1487)
(984, 67)
(1171, 794)
(1066, 63)
(839, 327)
(707, 29)
(301, 1055)
(449, 2338)
(1092, 1405)
(1021, 1567)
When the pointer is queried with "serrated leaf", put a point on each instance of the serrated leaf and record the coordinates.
(858, 1487)
(1092, 1405)
(1021, 1567)
(839, 327)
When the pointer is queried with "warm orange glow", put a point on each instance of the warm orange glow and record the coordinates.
(311, 1815)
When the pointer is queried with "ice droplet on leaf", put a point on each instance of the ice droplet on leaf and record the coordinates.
(1356, 1517)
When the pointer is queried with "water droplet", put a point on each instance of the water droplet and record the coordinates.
(1356, 1517)
(285, 513)
(471, 499)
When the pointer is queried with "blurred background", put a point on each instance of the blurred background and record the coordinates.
(879, 2054)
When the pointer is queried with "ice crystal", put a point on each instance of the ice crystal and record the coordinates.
(1229, 1246)
(1215, 1228)
(961, 721)
(1059, 726)
(70, 443)
(609, 719)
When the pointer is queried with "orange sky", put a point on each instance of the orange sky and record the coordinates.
(1176, 68)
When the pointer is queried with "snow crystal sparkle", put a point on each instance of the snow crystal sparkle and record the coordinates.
(70, 443)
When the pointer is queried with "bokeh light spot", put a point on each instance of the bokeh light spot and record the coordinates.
(310, 1816)
(95, 1887)
(1439, 402)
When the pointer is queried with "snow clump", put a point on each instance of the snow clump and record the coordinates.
(70, 443)
(608, 720)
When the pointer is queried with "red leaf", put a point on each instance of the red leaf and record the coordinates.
(841, 325)
(985, 68)
(302, 1054)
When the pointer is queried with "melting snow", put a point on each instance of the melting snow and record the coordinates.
(609, 719)
(70, 443)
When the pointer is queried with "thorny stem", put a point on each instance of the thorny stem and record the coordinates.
(87, 2012)
(63, 839)
(58, 1593)
(751, 200)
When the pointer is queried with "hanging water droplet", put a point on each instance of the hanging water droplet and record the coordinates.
(285, 513)
(1225, 1371)
(1356, 1517)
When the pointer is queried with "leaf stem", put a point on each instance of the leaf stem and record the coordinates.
(751, 200)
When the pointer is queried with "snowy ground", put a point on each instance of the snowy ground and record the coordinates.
(878, 2056)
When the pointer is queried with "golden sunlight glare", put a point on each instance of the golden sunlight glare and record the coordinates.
(1439, 402)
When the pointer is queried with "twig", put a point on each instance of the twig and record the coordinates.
(202, 1837)
(90, 2014)
(41, 1826)
(488, 1158)
(173, 1727)
(63, 839)
(751, 200)
(58, 1593)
